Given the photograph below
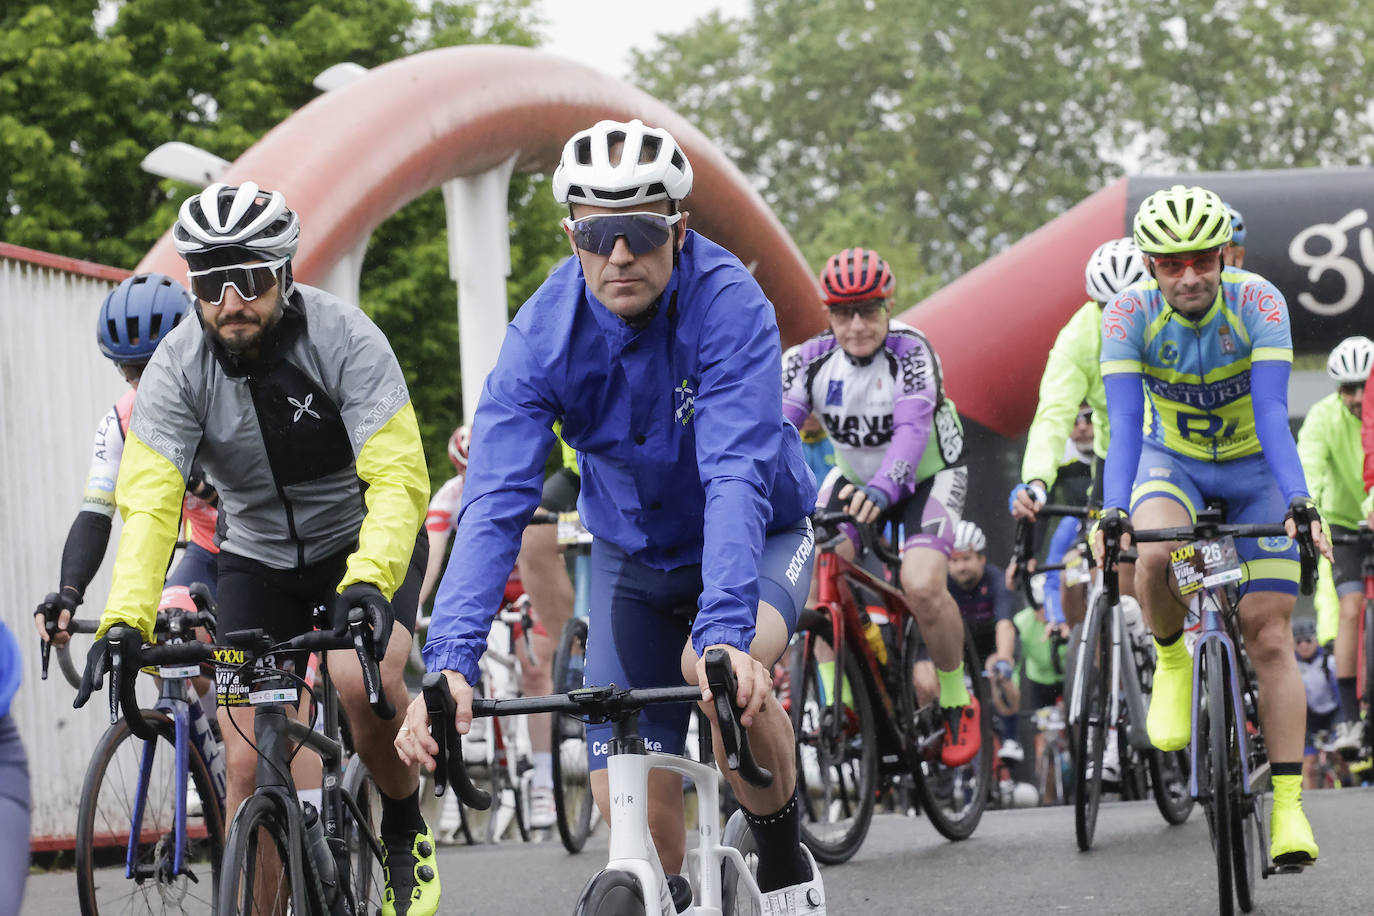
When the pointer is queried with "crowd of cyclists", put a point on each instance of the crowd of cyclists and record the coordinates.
(268, 424)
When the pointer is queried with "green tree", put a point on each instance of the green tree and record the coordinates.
(87, 88)
(941, 133)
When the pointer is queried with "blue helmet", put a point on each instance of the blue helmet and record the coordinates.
(1237, 226)
(138, 314)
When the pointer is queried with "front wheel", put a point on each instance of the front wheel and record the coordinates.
(611, 893)
(737, 899)
(367, 879)
(572, 786)
(113, 782)
(1169, 780)
(1214, 777)
(954, 798)
(256, 878)
(1091, 731)
(837, 753)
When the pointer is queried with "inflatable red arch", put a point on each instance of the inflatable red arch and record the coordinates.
(352, 157)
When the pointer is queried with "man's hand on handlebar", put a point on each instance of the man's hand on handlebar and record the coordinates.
(57, 609)
(865, 504)
(1026, 499)
(1115, 524)
(376, 613)
(1303, 510)
(754, 679)
(413, 741)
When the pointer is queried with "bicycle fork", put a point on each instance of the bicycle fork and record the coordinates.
(1214, 632)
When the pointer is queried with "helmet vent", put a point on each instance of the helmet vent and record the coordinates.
(132, 325)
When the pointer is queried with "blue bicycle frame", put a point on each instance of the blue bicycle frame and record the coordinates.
(1214, 630)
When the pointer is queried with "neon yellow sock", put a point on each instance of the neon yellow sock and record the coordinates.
(953, 690)
(826, 670)
(1287, 791)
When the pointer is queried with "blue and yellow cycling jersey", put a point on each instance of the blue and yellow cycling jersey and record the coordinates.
(1197, 373)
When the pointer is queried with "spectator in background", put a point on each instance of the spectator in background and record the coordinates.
(1319, 683)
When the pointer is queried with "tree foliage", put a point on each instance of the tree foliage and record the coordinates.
(88, 88)
(940, 133)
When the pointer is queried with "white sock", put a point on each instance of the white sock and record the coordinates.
(543, 769)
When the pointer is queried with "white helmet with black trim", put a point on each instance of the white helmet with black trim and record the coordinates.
(1114, 266)
(968, 536)
(1350, 362)
(238, 223)
(651, 167)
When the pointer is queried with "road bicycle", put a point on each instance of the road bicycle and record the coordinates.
(281, 854)
(1054, 761)
(1229, 768)
(137, 808)
(1364, 669)
(718, 879)
(868, 719)
(1107, 698)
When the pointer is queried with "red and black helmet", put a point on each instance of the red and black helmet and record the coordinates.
(856, 274)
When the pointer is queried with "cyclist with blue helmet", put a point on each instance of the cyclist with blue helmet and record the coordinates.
(1233, 255)
(133, 320)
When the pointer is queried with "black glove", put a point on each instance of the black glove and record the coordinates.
(1303, 511)
(93, 678)
(376, 614)
(1113, 523)
(51, 608)
(198, 486)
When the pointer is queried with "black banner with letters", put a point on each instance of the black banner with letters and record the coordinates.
(1308, 231)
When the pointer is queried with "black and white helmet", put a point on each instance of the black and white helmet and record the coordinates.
(968, 536)
(651, 167)
(1350, 362)
(225, 225)
(1114, 266)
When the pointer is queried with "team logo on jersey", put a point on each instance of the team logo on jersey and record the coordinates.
(686, 402)
(1168, 353)
(1275, 544)
(1228, 343)
(834, 393)
(302, 407)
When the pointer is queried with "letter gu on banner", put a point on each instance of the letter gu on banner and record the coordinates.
(1308, 231)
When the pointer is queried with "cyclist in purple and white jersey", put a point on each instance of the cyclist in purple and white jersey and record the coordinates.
(875, 383)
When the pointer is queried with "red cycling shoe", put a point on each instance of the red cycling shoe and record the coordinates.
(963, 734)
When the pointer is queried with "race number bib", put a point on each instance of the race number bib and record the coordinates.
(1206, 564)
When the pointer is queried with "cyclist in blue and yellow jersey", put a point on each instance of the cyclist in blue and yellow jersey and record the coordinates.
(1195, 363)
(295, 405)
(1333, 459)
(659, 353)
(1073, 377)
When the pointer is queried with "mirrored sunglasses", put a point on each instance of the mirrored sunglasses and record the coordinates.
(642, 232)
(1174, 266)
(250, 280)
(866, 310)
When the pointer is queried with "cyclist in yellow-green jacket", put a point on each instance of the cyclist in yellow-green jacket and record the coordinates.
(1332, 459)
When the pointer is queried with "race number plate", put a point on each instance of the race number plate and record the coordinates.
(171, 671)
(1206, 564)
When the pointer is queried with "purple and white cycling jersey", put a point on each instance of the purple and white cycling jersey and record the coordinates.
(882, 413)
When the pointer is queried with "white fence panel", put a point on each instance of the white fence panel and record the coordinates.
(54, 388)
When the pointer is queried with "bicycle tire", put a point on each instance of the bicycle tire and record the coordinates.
(832, 751)
(1090, 735)
(258, 818)
(1215, 764)
(366, 879)
(735, 898)
(107, 769)
(1244, 852)
(572, 789)
(1368, 647)
(611, 892)
(1169, 784)
(1046, 783)
(968, 784)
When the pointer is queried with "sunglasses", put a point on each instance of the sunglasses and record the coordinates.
(250, 280)
(1173, 266)
(642, 232)
(1084, 416)
(865, 310)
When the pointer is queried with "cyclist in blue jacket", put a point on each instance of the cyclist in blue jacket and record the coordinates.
(658, 352)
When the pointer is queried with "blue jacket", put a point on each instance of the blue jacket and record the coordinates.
(684, 454)
(11, 668)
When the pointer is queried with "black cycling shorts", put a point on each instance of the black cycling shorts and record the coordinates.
(282, 601)
(1346, 570)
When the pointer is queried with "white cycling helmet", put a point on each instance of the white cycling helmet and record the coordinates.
(1114, 266)
(651, 167)
(224, 224)
(968, 536)
(1350, 362)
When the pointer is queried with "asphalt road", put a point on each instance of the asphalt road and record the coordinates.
(1017, 862)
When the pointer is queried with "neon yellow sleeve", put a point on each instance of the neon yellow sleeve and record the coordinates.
(392, 464)
(149, 494)
(1069, 374)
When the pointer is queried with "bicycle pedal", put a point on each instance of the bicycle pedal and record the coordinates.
(1289, 868)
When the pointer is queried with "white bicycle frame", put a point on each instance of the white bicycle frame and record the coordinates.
(1117, 680)
(501, 672)
(632, 848)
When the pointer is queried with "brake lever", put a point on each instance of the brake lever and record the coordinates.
(372, 677)
(739, 756)
(450, 769)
